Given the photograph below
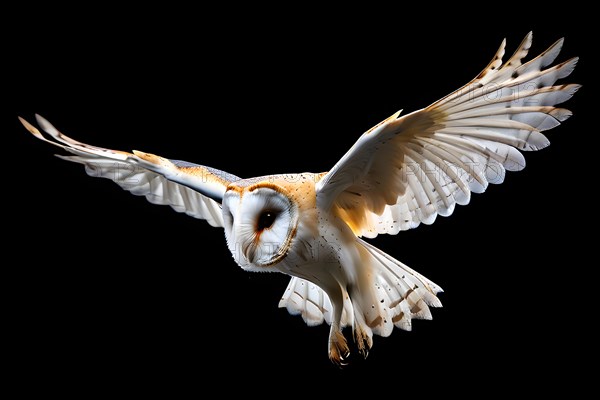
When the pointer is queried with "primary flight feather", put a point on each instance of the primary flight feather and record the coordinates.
(404, 171)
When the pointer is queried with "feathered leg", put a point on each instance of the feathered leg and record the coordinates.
(338, 346)
(363, 335)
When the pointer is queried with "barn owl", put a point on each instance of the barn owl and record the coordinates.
(404, 171)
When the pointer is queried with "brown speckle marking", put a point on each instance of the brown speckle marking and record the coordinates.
(415, 309)
(398, 317)
(376, 322)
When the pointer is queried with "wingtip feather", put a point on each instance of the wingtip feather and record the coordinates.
(551, 53)
(561, 114)
(36, 132)
(528, 40)
(395, 115)
(45, 125)
(32, 129)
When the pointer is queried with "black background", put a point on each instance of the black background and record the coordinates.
(108, 289)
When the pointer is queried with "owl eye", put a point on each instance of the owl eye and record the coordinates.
(266, 219)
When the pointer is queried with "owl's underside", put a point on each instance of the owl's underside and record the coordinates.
(338, 277)
(403, 172)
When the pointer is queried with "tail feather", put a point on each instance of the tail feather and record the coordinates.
(406, 294)
(394, 296)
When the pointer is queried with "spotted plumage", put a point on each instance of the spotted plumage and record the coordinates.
(404, 171)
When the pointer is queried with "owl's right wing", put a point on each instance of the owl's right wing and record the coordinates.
(409, 169)
(190, 188)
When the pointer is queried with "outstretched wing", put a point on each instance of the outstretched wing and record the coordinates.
(190, 188)
(407, 170)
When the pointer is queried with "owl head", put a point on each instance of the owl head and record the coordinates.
(261, 221)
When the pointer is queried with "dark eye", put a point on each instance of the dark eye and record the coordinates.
(266, 219)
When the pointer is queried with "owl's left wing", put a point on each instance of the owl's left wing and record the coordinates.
(409, 169)
(189, 188)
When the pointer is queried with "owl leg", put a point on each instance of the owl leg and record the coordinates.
(338, 346)
(363, 335)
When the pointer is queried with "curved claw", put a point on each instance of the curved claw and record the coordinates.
(363, 340)
(338, 348)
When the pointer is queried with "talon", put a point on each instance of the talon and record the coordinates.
(363, 341)
(338, 349)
